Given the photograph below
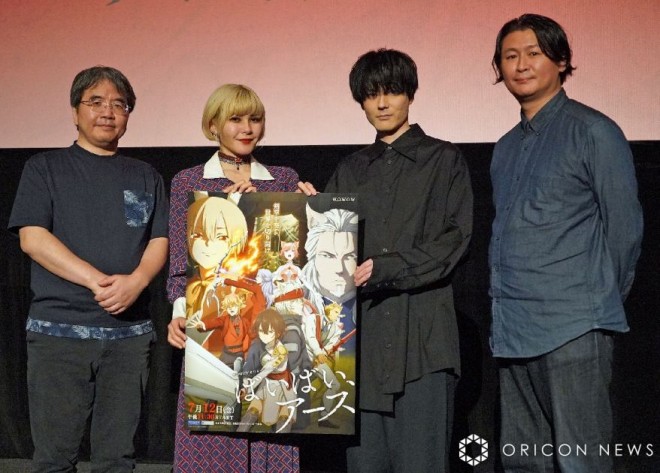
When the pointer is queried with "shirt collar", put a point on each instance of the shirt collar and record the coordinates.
(544, 116)
(406, 144)
(213, 170)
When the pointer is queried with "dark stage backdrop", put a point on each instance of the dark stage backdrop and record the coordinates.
(636, 385)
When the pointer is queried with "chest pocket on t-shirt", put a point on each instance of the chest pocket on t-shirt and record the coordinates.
(138, 206)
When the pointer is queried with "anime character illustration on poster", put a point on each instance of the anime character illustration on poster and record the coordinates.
(270, 313)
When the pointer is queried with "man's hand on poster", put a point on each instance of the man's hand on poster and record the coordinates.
(306, 188)
(363, 273)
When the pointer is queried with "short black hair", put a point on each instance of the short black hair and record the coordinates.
(386, 70)
(550, 35)
(92, 76)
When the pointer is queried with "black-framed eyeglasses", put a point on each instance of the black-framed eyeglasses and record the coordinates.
(117, 106)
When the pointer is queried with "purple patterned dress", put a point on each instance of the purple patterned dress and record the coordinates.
(196, 452)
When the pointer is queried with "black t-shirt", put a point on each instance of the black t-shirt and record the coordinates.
(105, 209)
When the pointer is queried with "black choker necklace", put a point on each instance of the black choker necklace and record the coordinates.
(232, 160)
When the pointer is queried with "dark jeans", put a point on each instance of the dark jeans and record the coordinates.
(556, 409)
(71, 379)
(416, 437)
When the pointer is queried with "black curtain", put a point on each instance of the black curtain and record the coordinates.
(636, 384)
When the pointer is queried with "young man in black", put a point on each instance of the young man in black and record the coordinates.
(416, 208)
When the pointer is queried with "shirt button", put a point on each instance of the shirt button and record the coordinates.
(388, 345)
(389, 161)
(386, 314)
(384, 250)
(384, 220)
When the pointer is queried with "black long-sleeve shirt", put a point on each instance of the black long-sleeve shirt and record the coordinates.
(416, 208)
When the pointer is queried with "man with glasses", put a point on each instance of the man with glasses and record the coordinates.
(94, 223)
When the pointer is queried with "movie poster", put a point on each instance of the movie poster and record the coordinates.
(270, 313)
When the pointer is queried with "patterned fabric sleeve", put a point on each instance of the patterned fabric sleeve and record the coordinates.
(176, 280)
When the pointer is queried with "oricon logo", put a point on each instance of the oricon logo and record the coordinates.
(462, 450)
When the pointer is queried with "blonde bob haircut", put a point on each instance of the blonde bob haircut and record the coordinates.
(229, 100)
(204, 217)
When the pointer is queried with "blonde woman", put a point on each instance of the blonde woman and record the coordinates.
(234, 117)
